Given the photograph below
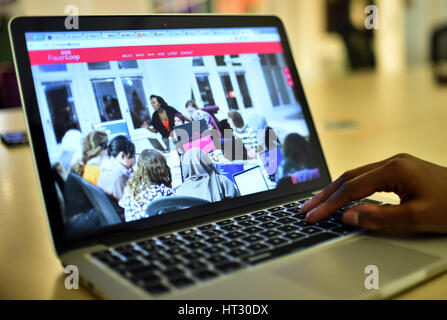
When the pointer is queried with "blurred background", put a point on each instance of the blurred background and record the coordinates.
(328, 37)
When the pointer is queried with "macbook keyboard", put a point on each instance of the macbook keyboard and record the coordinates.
(178, 260)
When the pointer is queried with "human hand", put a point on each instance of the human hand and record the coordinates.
(421, 186)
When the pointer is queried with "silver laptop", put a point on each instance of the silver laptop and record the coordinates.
(205, 244)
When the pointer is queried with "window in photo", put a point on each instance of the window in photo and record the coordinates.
(106, 99)
(133, 87)
(275, 79)
(53, 68)
(243, 88)
(205, 89)
(98, 65)
(61, 107)
(230, 94)
(197, 62)
(128, 64)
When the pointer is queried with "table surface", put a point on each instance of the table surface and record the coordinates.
(361, 118)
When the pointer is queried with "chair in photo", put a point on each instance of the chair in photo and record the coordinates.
(99, 200)
(174, 203)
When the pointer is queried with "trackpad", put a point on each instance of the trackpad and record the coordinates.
(339, 271)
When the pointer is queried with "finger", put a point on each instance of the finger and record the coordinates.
(379, 179)
(333, 187)
(375, 217)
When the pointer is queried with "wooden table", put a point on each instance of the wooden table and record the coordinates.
(362, 118)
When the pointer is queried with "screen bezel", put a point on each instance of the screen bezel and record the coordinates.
(20, 25)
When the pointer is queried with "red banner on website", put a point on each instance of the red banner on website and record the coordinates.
(63, 56)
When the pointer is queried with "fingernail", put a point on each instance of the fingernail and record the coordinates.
(351, 218)
(305, 205)
(310, 215)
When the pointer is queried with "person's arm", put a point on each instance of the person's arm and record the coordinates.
(421, 186)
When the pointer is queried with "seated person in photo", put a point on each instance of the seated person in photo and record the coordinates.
(267, 137)
(232, 148)
(71, 148)
(297, 160)
(244, 132)
(197, 114)
(93, 153)
(163, 120)
(116, 170)
(179, 119)
(150, 181)
(201, 179)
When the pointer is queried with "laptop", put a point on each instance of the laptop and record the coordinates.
(251, 246)
(250, 181)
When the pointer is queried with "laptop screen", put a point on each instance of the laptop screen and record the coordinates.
(103, 96)
(250, 181)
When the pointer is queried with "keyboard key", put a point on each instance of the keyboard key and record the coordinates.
(193, 255)
(258, 247)
(303, 224)
(242, 218)
(238, 253)
(173, 272)
(310, 230)
(196, 265)
(253, 238)
(146, 242)
(327, 225)
(233, 244)
(270, 225)
(147, 279)
(214, 249)
(176, 251)
(170, 262)
(271, 233)
(294, 210)
(280, 214)
(187, 232)
(196, 245)
(173, 242)
(181, 282)
(235, 235)
(193, 237)
(215, 240)
(294, 235)
(289, 248)
(168, 237)
(248, 223)
(275, 209)
(276, 241)
(288, 228)
(216, 259)
(253, 230)
(230, 227)
(156, 289)
(259, 213)
(212, 233)
(300, 216)
(229, 266)
(345, 230)
(290, 205)
(224, 222)
(205, 274)
(286, 220)
(206, 227)
(265, 218)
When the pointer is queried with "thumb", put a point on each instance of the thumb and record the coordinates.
(375, 217)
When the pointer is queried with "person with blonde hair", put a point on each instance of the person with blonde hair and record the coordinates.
(94, 149)
(151, 180)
